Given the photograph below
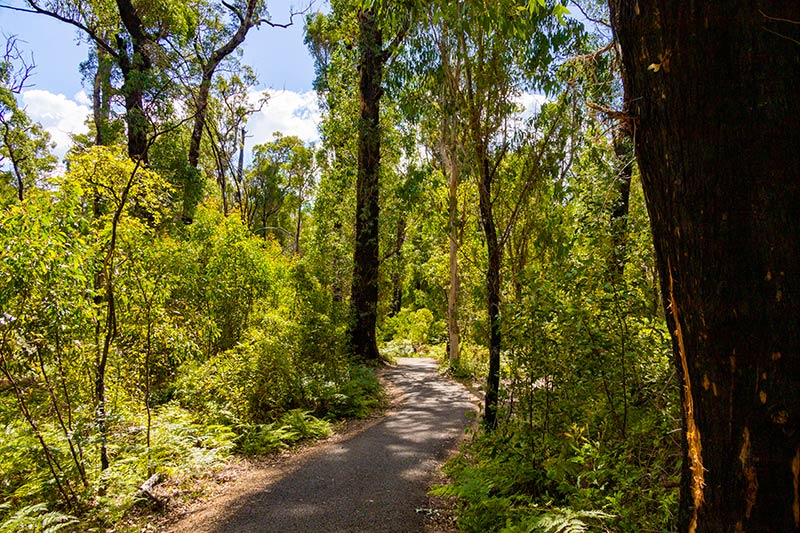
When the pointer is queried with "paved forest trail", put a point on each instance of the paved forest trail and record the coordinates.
(374, 480)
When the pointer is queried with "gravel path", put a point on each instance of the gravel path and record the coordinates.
(374, 481)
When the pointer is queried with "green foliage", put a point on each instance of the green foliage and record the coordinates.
(589, 412)
(356, 397)
(412, 329)
(277, 187)
(293, 426)
(220, 342)
(227, 336)
(37, 519)
(567, 521)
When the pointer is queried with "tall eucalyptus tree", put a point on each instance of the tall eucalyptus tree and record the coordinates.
(713, 92)
(373, 55)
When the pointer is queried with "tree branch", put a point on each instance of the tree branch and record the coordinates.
(292, 14)
(587, 17)
(36, 9)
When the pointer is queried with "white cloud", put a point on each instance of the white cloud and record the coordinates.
(287, 112)
(82, 98)
(58, 115)
(532, 102)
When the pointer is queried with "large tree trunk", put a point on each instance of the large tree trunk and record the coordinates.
(364, 295)
(135, 117)
(135, 65)
(714, 98)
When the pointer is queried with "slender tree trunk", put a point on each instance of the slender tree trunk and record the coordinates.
(492, 293)
(192, 186)
(191, 193)
(623, 153)
(208, 70)
(485, 176)
(299, 224)
(451, 70)
(714, 93)
(15, 162)
(397, 275)
(453, 333)
(101, 97)
(364, 294)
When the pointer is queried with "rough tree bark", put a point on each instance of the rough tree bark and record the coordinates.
(713, 88)
(364, 294)
(492, 292)
(135, 67)
(132, 51)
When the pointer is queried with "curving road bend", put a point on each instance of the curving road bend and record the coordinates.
(375, 480)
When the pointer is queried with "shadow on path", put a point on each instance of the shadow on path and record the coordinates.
(374, 481)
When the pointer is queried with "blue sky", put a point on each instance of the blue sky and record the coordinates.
(56, 98)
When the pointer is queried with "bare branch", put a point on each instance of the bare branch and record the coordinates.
(790, 21)
(591, 56)
(18, 77)
(611, 113)
(292, 14)
(233, 9)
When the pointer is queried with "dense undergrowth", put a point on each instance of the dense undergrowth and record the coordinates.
(157, 347)
(588, 434)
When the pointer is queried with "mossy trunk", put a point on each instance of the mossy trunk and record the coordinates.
(364, 295)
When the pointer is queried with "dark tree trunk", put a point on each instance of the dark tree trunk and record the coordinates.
(715, 103)
(135, 117)
(485, 173)
(364, 295)
(101, 97)
(623, 153)
(492, 293)
(135, 65)
(200, 113)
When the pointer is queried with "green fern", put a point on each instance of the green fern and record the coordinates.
(36, 518)
(305, 425)
(566, 521)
